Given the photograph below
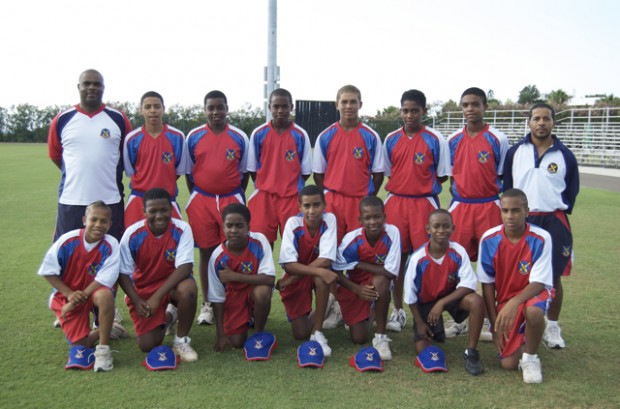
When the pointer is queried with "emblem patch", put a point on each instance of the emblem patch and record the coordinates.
(524, 267)
(552, 168)
(105, 133)
(483, 156)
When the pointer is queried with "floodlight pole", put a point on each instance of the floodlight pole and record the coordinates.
(272, 71)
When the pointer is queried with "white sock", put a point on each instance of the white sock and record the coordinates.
(380, 336)
(528, 357)
(180, 340)
(552, 324)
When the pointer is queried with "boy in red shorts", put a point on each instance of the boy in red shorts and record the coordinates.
(307, 252)
(157, 256)
(371, 257)
(82, 266)
(241, 277)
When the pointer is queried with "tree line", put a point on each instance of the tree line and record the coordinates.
(29, 123)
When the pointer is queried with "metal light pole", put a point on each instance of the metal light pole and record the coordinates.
(272, 71)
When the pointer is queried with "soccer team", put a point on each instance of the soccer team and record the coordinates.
(341, 245)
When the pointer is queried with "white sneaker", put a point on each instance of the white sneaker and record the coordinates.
(118, 331)
(320, 338)
(454, 329)
(382, 343)
(171, 325)
(485, 333)
(56, 323)
(552, 337)
(397, 320)
(103, 359)
(184, 350)
(532, 372)
(334, 316)
(206, 314)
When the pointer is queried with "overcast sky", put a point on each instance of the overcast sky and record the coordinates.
(185, 48)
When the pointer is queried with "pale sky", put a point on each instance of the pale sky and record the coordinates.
(184, 48)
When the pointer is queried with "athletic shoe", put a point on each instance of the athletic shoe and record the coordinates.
(531, 370)
(171, 325)
(118, 331)
(206, 314)
(552, 337)
(397, 320)
(334, 316)
(454, 329)
(485, 333)
(184, 350)
(103, 359)
(56, 323)
(320, 338)
(382, 344)
(472, 361)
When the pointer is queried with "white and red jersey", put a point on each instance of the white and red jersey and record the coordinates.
(348, 159)
(89, 146)
(256, 259)
(355, 248)
(415, 163)
(476, 164)
(512, 266)
(150, 259)
(428, 279)
(79, 263)
(217, 162)
(155, 162)
(280, 160)
(298, 246)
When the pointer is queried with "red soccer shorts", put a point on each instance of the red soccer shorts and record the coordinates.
(205, 217)
(238, 309)
(297, 297)
(346, 209)
(471, 221)
(270, 212)
(353, 308)
(157, 319)
(410, 215)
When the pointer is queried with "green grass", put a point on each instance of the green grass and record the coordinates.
(33, 353)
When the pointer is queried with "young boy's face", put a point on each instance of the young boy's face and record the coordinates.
(412, 113)
(97, 221)
(348, 105)
(280, 108)
(514, 213)
(216, 110)
(312, 208)
(152, 110)
(158, 213)
(473, 108)
(440, 228)
(236, 230)
(372, 219)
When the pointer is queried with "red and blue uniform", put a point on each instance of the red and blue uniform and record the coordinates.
(414, 165)
(476, 166)
(551, 183)
(153, 162)
(78, 264)
(217, 165)
(150, 260)
(280, 162)
(237, 297)
(347, 159)
(299, 246)
(355, 248)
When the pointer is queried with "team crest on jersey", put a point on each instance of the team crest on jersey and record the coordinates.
(453, 278)
(483, 156)
(358, 153)
(166, 157)
(105, 133)
(566, 251)
(524, 267)
(552, 168)
(246, 267)
(171, 254)
(92, 269)
(379, 258)
(230, 154)
(289, 155)
(418, 158)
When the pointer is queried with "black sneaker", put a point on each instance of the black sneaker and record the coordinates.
(472, 361)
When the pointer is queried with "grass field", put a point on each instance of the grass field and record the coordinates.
(585, 374)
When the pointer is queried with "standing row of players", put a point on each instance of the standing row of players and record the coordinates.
(349, 163)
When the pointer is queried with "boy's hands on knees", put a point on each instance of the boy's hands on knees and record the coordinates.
(77, 297)
(142, 307)
(504, 322)
(367, 292)
(221, 343)
(67, 308)
(424, 331)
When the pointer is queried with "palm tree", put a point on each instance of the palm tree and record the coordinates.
(558, 98)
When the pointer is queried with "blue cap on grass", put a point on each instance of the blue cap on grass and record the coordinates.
(259, 346)
(432, 359)
(81, 357)
(310, 354)
(161, 358)
(367, 359)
